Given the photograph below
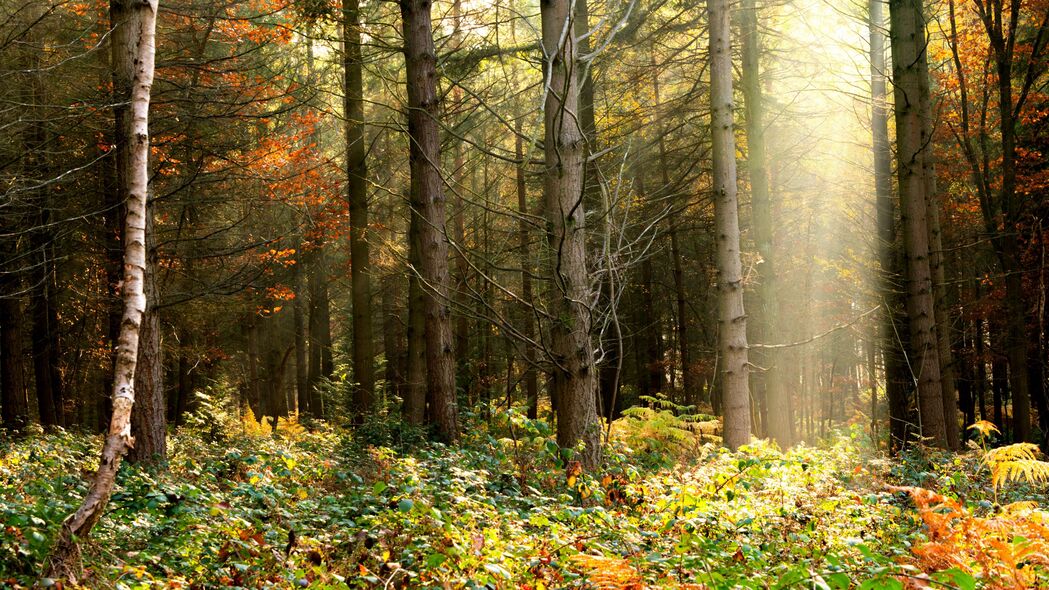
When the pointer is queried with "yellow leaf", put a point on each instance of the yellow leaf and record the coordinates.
(571, 480)
(302, 494)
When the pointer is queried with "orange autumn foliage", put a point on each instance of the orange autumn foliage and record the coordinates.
(1009, 550)
(612, 573)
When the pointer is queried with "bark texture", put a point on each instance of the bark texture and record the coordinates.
(428, 204)
(907, 33)
(574, 378)
(732, 321)
(137, 19)
(148, 417)
(357, 187)
(885, 212)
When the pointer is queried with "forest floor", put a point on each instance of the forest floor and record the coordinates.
(238, 507)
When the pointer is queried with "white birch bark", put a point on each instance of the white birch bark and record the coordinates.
(138, 17)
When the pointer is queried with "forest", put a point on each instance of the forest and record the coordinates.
(537, 294)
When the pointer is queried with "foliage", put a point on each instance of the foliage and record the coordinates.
(1016, 461)
(665, 430)
(508, 509)
(1006, 550)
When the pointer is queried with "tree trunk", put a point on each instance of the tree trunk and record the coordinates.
(357, 187)
(779, 427)
(148, 417)
(320, 357)
(42, 281)
(416, 396)
(254, 393)
(908, 42)
(999, 370)
(393, 336)
(531, 380)
(732, 321)
(133, 50)
(574, 373)
(885, 210)
(299, 309)
(14, 405)
(941, 314)
(428, 204)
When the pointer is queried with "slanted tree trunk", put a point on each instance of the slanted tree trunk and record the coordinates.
(357, 188)
(428, 204)
(907, 32)
(732, 322)
(133, 50)
(574, 374)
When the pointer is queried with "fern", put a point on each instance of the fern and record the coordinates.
(984, 428)
(1015, 462)
(663, 427)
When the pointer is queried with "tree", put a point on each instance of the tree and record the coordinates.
(1001, 23)
(428, 206)
(134, 23)
(779, 425)
(148, 416)
(574, 374)
(907, 34)
(732, 322)
(357, 195)
(885, 214)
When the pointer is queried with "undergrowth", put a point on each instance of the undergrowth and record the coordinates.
(241, 506)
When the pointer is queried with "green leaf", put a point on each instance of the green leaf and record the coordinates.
(882, 582)
(956, 577)
(405, 505)
(379, 487)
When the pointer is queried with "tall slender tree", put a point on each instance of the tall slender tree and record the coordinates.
(357, 194)
(779, 426)
(907, 34)
(574, 378)
(885, 212)
(732, 322)
(134, 50)
(428, 206)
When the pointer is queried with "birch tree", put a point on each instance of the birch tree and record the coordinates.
(134, 47)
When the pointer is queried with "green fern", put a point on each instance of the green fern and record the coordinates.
(662, 426)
